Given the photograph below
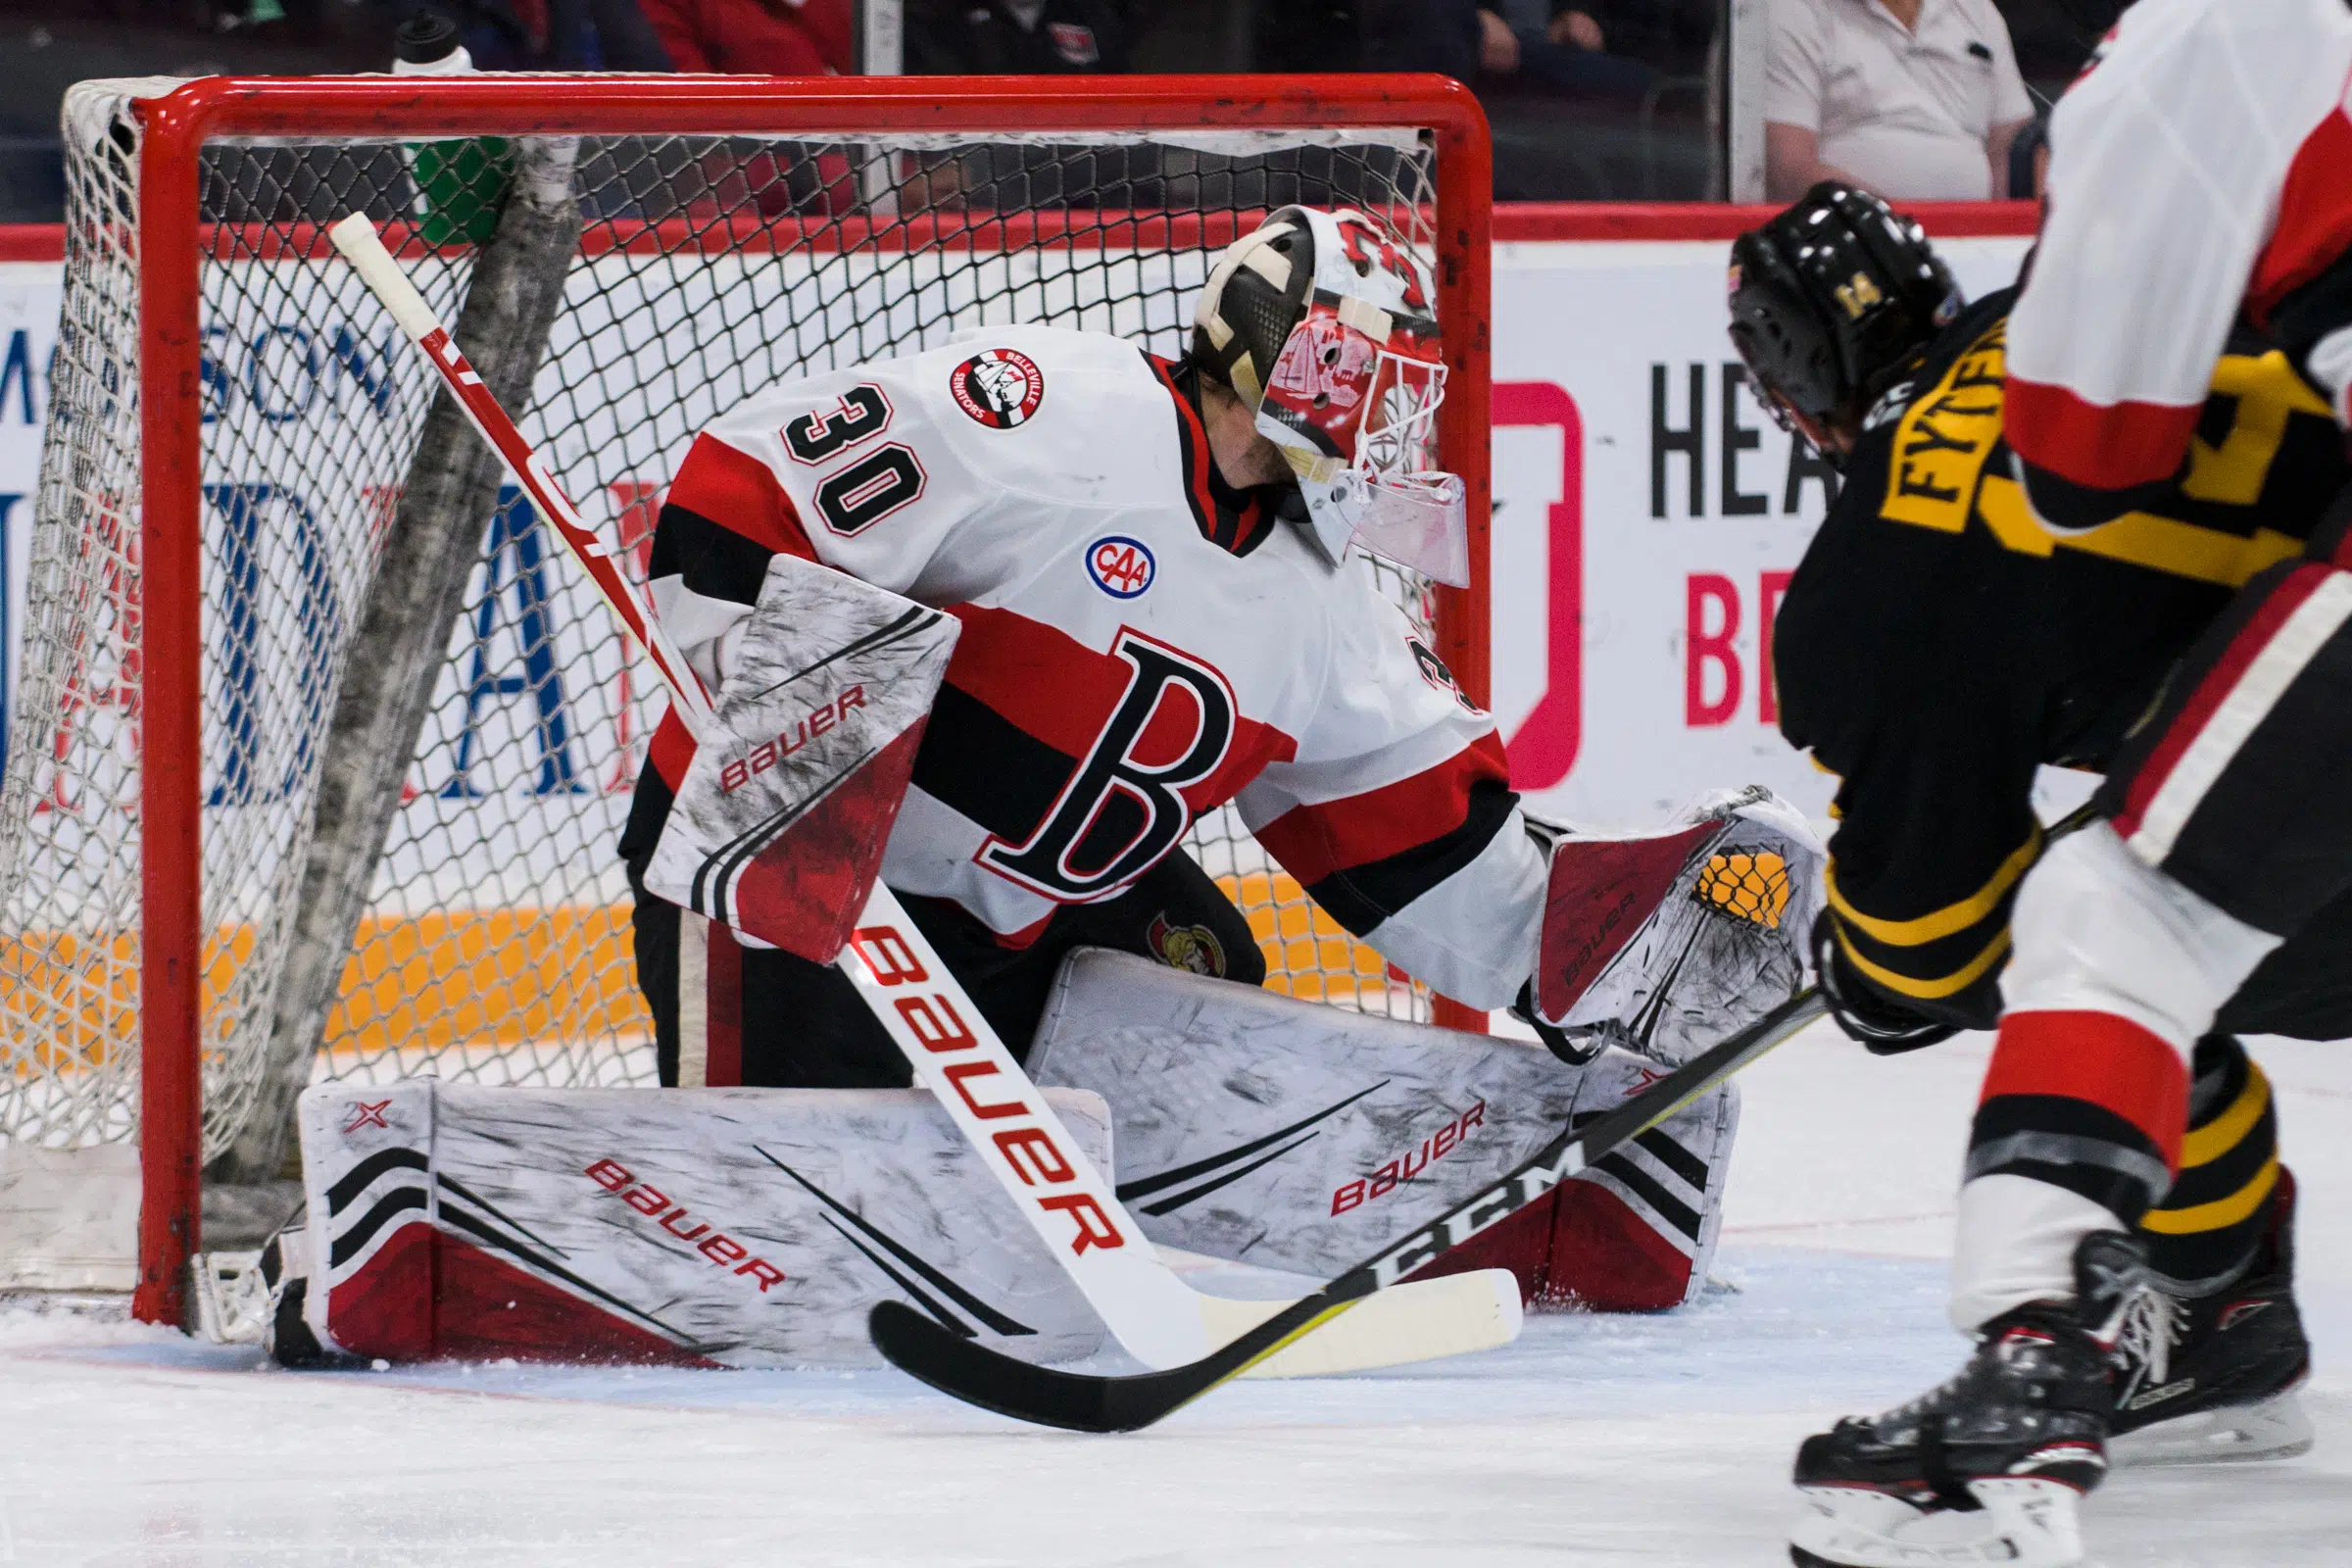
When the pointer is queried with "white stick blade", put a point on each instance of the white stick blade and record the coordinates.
(1423, 1321)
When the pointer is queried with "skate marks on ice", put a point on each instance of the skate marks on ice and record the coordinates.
(1610, 1441)
(1601, 1440)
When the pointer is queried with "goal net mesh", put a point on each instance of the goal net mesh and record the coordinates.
(495, 946)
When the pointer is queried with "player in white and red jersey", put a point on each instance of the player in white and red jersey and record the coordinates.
(2201, 174)
(1146, 558)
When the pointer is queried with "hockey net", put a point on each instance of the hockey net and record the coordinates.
(494, 942)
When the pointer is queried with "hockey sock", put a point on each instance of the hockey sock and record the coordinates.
(2207, 1228)
(2078, 1130)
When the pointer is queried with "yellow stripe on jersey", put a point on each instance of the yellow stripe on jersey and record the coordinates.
(1950, 985)
(2267, 391)
(2136, 539)
(1937, 924)
(1945, 437)
(1936, 478)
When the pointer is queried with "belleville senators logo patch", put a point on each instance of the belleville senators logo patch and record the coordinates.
(1192, 947)
(1000, 387)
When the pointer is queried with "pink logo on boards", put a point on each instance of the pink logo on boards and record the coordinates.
(1000, 387)
(1544, 747)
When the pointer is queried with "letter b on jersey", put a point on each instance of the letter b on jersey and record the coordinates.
(1124, 809)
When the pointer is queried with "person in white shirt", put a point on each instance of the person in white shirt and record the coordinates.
(1917, 100)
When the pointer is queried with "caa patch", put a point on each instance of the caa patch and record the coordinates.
(1121, 567)
(1001, 389)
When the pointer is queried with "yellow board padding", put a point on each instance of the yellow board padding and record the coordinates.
(1752, 887)
(1309, 955)
(512, 977)
(489, 976)
(75, 994)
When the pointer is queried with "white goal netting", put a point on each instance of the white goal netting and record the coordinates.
(494, 946)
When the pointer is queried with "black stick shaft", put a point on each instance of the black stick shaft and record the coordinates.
(1085, 1403)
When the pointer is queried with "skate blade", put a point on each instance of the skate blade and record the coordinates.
(2275, 1428)
(2022, 1523)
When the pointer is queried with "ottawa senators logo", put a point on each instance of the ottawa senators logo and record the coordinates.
(1434, 670)
(1000, 388)
(1192, 947)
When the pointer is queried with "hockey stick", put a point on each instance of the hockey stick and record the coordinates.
(953, 1051)
(1086, 1402)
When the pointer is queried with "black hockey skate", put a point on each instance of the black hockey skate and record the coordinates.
(1989, 1467)
(2214, 1377)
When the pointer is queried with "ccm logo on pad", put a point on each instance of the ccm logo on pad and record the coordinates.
(1023, 1142)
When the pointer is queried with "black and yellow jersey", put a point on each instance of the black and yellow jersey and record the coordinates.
(1938, 644)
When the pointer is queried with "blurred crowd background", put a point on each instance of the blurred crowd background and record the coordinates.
(1591, 100)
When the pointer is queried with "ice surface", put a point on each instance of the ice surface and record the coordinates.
(1616, 1440)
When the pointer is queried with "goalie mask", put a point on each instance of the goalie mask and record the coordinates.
(1830, 302)
(1324, 326)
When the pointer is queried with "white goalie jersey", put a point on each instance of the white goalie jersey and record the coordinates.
(1140, 643)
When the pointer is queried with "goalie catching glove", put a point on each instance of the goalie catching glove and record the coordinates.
(1664, 944)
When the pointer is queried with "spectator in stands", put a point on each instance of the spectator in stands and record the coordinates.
(1024, 38)
(756, 38)
(1021, 38)
(1674, 35)
(551, 34)
(1476, 43)
(1917, 100)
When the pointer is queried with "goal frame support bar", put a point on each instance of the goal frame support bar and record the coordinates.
(173, 129)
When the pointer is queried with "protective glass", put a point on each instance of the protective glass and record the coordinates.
(1370, 411)
(1413, 510)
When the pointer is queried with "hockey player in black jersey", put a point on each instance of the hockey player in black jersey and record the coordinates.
(1938, 645)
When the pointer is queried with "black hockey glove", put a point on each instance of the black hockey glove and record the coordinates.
(1884, 1026)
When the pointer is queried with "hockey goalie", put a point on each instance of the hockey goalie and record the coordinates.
(1129, 591)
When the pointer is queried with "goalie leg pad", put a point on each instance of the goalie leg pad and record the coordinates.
(741, 1227)
(1301, 1137)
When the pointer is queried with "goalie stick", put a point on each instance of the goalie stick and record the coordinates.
(1088, 1403)
(951, 1048)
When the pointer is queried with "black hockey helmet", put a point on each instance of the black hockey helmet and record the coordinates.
(1830, 300)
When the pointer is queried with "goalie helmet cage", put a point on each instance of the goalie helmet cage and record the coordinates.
(231, 427)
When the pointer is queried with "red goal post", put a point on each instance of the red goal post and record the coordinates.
(172, 239)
